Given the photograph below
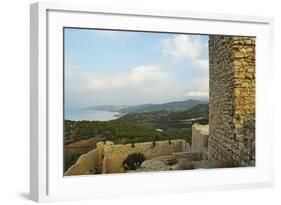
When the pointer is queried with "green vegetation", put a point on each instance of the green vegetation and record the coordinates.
(118, 132)
(136, 127)
(200, 110)
(171, 106)
(70, 159)
(139, 127)
(133, 161)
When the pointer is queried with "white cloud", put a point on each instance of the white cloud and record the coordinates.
(140, 76)
(141, 84)
(197, 94)
(191, 48)
(202, 64)
(183, 46)
(186, 47)
(198, 88)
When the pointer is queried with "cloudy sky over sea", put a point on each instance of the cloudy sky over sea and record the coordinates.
(128, 68)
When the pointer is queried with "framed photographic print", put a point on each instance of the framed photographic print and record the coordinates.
(127, 102)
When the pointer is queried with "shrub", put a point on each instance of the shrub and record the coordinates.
(133, 161)
(70, 160)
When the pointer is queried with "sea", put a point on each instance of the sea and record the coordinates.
(84, 114)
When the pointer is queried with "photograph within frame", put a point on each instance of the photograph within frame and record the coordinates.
(167, 121)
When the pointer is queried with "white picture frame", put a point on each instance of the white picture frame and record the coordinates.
(47, 182)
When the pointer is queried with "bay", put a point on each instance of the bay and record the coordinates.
(84, 114)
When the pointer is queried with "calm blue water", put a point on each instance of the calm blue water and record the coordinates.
(84, 114)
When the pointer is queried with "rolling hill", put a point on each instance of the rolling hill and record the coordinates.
(200, 110)
(170, 106)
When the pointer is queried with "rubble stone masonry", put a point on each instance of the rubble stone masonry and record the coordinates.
(200, 135)
(232, 99)
(231, 118)
(110, 156)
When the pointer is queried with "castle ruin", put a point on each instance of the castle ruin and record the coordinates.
(108, 157)
(232, 99)
(228, 140)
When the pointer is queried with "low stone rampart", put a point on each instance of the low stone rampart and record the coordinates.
(110, 157)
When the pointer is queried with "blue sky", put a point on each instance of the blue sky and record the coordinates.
(128, 68)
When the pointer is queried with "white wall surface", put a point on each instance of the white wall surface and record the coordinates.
(14, 101)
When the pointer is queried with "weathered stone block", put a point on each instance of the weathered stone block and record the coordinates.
(232, 96)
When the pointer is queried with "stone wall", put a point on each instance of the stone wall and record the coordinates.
(116, 154)
(232, 99)
(85, 164)
(110, 157)
(231, 116)
(200, 135)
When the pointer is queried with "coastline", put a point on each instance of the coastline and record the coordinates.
(91, 115)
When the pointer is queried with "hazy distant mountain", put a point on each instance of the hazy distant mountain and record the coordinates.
(170, 106)
(112, 108)
(166, 118)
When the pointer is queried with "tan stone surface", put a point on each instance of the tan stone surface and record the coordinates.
(111, 156)
(232, 99)
(231, 139)
(84, 164)
(116, 154)
(200, 134)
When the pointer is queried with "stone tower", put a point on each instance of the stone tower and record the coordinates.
(232, 99)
